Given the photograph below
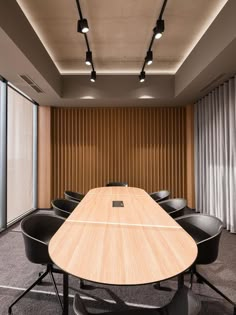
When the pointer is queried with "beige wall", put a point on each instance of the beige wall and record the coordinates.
(44, 157)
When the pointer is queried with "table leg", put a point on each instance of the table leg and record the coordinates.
(158, 286)
(180, 280)
(65, 294)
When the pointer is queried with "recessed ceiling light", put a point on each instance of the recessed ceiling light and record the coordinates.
(146, 97)
(87, 97)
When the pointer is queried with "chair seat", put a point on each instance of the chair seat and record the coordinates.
(174, 207)
(64, 207)
(72, 195)
(160, 195)
(169, 209)
(196, 233)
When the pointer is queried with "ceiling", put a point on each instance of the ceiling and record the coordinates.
(120, 32)
(39, 39)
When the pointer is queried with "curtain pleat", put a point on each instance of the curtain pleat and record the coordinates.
(215, 153)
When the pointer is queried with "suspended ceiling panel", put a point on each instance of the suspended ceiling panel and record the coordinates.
(120, 32)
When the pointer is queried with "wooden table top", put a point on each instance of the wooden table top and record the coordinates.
(135, 244)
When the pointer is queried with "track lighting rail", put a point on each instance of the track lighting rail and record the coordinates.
(157, 33)
(83, 28)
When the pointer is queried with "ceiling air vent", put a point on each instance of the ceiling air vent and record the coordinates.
(31, 83)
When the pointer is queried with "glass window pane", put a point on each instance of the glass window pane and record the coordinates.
(19, 155)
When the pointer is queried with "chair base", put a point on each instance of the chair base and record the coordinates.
(201, 279)
(48, 270)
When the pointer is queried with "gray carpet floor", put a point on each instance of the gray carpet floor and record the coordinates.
(17, 273)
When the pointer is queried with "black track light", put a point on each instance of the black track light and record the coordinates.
(157, 33)
(82, 26)
(159, 29)
(93, 76)
(149, 57)
(88, 60)
(142, 76)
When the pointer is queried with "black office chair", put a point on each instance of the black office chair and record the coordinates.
(174, 207)
(123, 184)
(74, 196)
(63, 207)
(37, 231)
(206, 231)
(160, 195)
(184, 302)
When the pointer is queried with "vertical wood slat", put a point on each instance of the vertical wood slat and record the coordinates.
(144, 146)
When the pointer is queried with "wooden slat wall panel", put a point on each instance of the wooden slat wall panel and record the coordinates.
(144, 146)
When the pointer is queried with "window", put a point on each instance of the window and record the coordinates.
(18, 156)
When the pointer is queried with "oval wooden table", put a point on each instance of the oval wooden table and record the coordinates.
(131, 241)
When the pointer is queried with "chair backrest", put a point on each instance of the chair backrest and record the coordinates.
(123, 184)
(206, 231)
(63, 207)
(174, 207)
(72, 195)
(160, 195)
(37, 231)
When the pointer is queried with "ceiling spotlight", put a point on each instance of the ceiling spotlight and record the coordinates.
(88, 60)
(159, 29)
(93, 76)
(142, 76)
(149, 57)
(82, 26)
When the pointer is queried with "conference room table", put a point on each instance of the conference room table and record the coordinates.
(121, 236)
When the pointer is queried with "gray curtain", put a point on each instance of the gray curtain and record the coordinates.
(215, 154)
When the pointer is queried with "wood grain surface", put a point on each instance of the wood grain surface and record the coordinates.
(135, 244)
